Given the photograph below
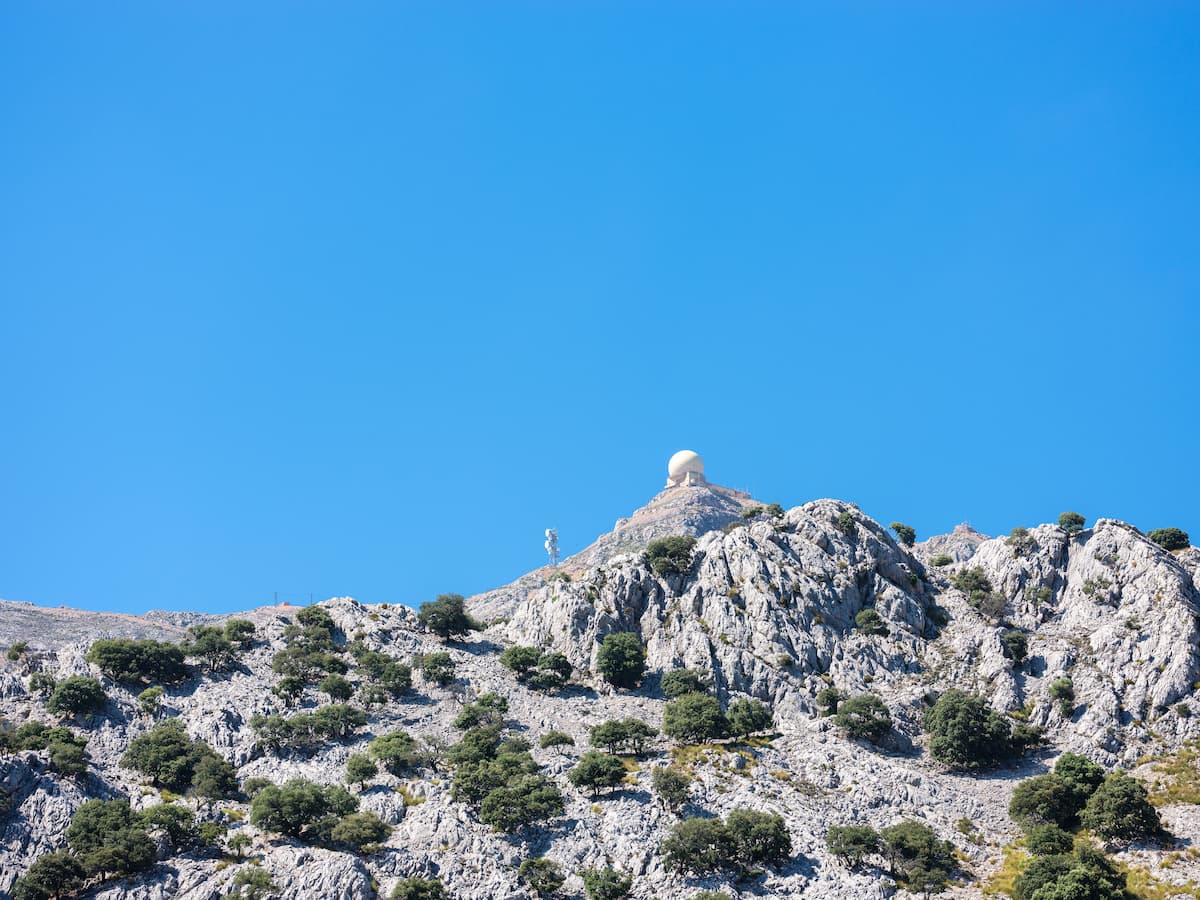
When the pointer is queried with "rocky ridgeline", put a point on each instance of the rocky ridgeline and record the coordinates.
(769, 610)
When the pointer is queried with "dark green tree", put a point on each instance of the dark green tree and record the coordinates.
(544, 877)
(437, 668)
(853, 843)
(419, 889)
(670, 555)
(77, 694)
(906, 533)
(864, 717)
(678, 682)
(1170, 538)
(672, 785)
(129, 660)
(596, 772)
(337, 687)
(51, 876)
(606, 884)
(694, 718)
(209, 645)
(521, 660)
(747, 716)
(1120, 809)
(1016, 645)
(1043, 800)
(1048, 840)
(447, 617)
(1071, 522)
(696, 845)
(965, 733)
(758, 837)
(240, 632)
(554, 738)
(621, 659)
(213, 778)
(360, 769)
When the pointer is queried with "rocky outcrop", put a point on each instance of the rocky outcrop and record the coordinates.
(769, 610)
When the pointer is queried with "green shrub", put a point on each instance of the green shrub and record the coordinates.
(694, 718)
(846, 523)
(544, 877)
(918, 858)
(1016, 645)
(1048, 840)
(670, 555)
(17, 650)
(125, 659)
(853, 843)
(239, 631)
(395, 751)
(597, 772)
(621, 659)
(359, 831)
(1021, 541)
(622, 734)
(940, 559)
(77, 694)
(1062, 690)
(1170, 538)
(673, 786)
(251, 883)
(554, 738)
(678, 682)
(978, 588)
(295, 807)
(1120, 809)
(360, 769)
(419, 889)
(864, 717)
(869, 621)
(965, 733)
(176, 822)
(606, 884)
(437, 668)
(1083, 875)
(828, 700)
(747, 716)
(149, 700)
(487, 709)
(906, 533)
(1071, 522)
(336, 687)
(447, 617)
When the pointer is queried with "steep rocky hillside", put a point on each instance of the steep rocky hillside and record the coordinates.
(770, 610)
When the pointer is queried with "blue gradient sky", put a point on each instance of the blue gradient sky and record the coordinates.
(358, 298)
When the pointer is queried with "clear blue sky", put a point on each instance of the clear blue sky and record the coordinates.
(358, 298)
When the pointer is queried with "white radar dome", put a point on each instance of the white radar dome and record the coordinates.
(685, 467)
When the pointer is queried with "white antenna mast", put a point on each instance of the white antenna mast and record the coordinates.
(552, 546)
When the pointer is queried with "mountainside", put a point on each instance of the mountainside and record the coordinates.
(769, 607)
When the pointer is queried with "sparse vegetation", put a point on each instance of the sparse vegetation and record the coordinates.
(1071, 522)
(906, 534)
(1170, 538)
(670, 555)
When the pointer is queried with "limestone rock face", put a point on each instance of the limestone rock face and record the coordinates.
(767, 610)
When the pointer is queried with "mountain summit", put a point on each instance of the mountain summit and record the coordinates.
(635, 725)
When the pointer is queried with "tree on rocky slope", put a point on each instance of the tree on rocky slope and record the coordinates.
(621, 659)
(864, 717)
(606, 884)
(1170, 538)
(694, 718)
(596, 772)
(128, 660)
(447, 617)
(965, 733)
(77, 694)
